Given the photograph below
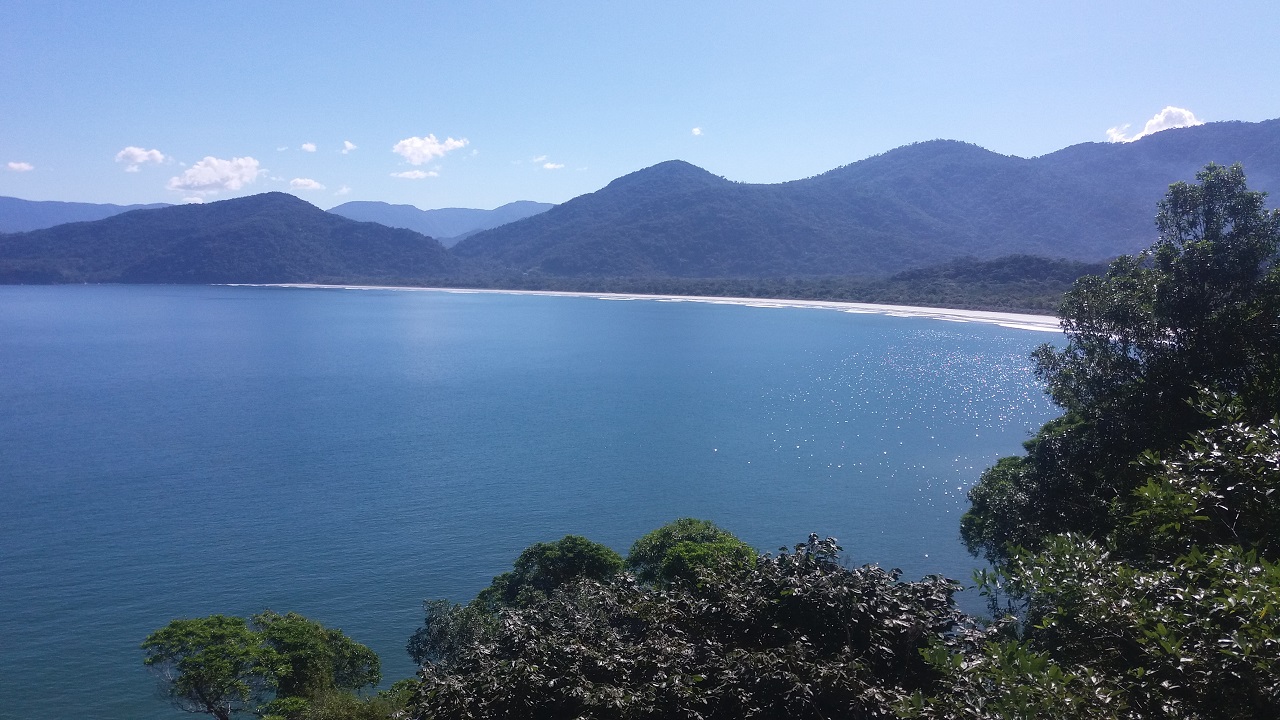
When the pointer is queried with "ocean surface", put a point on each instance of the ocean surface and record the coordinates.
(173, 452)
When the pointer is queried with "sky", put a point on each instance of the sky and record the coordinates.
(477, 104)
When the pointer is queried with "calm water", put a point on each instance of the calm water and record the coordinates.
(180, 451)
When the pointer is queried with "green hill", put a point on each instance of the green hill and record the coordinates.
(915, 206)
(268, 238)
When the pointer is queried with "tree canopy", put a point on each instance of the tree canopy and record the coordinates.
(1197, 312)
(278, 667)
(798, 635)
(684, 547)
(215, 665)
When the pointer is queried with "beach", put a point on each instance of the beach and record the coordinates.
(1019, 321)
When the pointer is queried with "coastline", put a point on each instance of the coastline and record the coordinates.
(1017, 321)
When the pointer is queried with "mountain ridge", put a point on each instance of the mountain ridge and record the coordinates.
(448, 225)
(916, 205)
(269, 238)
(18, 215)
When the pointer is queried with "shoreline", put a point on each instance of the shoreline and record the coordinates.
(1017, 321)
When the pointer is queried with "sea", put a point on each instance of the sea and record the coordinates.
(179, 451)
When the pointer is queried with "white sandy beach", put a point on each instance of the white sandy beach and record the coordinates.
(1039, 323)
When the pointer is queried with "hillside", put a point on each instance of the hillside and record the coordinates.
(268, 238)
(448, 225)
(915, 206)
(17, 215)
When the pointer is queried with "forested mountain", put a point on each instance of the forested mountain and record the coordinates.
(18, 215)
(911, 207)
(268, 238)
(448, 225)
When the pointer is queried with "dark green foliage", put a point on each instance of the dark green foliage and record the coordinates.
(1199, 311)
(1148, 584)
(448, 630)
(796, 636)
(543, 567)
(684, 548)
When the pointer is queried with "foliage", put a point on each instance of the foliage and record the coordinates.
(449, 628)
(796, 636)
(1149, 587)
(222, 666)
(317, 659)
(1197, 312)
(215, 665)
(543, 567)
(331, 705)
(685, 547)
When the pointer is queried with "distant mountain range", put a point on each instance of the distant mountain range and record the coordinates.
(22, 215)
(448, 225)
(918, 206)
(914, 206)
(268, 238)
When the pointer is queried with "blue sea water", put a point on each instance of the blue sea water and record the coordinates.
(174, 452)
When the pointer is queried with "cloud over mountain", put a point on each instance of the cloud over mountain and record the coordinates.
(135, 157)
(212, 175)
(1170, 117)
(419, 150)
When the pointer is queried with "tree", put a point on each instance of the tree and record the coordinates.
(1199, 311)
(316, 659)
(543, 567)
(281, 666)
(215, 665)
(683, 547)
(793, 636)
(1136, 542)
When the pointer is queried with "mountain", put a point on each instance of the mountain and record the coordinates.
(18, 215)
(268, 238)
(915, 206)
(448, 224)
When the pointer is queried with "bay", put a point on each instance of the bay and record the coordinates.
(180, 451)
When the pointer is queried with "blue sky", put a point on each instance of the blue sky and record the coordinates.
(475, 104)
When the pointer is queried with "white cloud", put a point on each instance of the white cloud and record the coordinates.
(193, 200)
(344, 190)
(697, 131)
(1170, 117)
(21, 166)
(309, 147)
(135, 157)
(212, 174)
(415, 174)
(347, 146)
(304, 184)
(551, 166)
(418, 150)
(282, 148)
(540, 158)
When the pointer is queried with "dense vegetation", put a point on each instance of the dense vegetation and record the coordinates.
(912, 207)
(267, 238)
(1135, 549)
